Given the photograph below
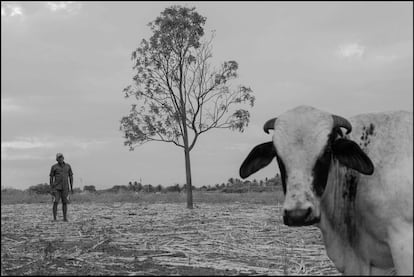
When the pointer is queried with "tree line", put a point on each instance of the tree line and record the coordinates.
(233, 185)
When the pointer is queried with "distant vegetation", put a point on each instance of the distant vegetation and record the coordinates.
(89, 189)
(135, 191)
(39, 189)
(233, 185)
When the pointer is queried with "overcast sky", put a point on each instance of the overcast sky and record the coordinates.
(64, 66)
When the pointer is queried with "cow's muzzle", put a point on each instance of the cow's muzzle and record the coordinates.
(299, 217)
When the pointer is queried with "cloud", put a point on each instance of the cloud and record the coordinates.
(10, 105)
(41, 147)
(11, 10)
(16, 11)
(16, 157)
(26, 143)
(24, 148)
(68, 6)
(350, 50)
(50, 142)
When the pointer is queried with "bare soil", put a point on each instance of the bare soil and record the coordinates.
(158, 239)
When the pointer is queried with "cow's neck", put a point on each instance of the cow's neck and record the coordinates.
(338, 205)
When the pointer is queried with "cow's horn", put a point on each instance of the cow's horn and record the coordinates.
(269, 125)
(339, 121)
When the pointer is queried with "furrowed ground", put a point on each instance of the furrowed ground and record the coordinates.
(233, 238)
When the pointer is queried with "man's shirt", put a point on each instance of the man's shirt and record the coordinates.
(61, 174)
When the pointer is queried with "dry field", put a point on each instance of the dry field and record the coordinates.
(158, 239)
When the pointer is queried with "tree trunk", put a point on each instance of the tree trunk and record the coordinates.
(187, 159)
(185, 139)
(188, 179)
(187, 168)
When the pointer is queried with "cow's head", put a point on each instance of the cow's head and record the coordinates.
(305, 140)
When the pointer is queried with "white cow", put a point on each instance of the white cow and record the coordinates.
(356, 187)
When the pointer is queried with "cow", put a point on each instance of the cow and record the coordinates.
(353, 179)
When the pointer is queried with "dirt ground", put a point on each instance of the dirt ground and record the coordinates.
(158, 239)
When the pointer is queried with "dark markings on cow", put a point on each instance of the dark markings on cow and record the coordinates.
(282, 170)
(352, 186)
(321, 169)
(349, 192)
(367, 132)
(344, 187)
(320, 172)
(370, 130)
(341, 207)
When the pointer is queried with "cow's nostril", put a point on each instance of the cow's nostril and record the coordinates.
(297, 217)
(309, 211)
(298, 213)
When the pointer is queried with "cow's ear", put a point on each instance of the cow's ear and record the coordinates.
(351, 155)
(258, 158)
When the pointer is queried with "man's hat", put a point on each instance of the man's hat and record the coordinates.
(59, 155)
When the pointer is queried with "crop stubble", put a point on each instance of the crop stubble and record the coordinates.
(155, 239)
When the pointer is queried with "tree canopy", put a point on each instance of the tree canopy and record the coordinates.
(174, 79)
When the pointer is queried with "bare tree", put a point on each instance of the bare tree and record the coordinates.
(180, 96)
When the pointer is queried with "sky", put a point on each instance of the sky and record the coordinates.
(64, 66)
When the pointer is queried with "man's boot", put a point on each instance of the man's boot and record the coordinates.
(54, 210)
(64, 209)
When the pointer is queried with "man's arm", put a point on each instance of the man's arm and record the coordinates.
(51, 175)
(71, 183)
(71, 179)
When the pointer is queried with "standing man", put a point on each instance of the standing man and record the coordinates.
(60, 176)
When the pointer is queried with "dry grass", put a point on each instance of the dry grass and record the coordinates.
(158, 239)
(13, 196)
(267, 198)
